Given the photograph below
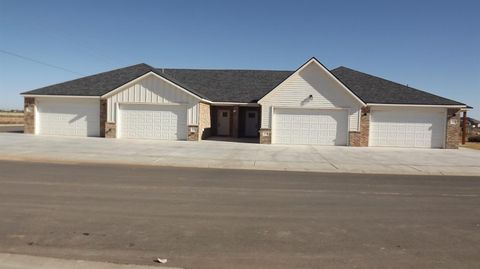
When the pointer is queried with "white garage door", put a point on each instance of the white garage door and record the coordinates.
(310, 126)
(415, 128)
(166, 122)
(72, 117)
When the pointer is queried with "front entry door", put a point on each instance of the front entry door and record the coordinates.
(251, 123)
(223, 122)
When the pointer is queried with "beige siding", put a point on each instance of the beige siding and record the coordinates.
(312, 80)
(153, 90)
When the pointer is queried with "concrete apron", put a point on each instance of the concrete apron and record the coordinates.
(234, 155)
(15, 261)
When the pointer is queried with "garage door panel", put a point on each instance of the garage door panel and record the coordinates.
(310, 126)
(400, 128)
(163, 122)
(69, 118)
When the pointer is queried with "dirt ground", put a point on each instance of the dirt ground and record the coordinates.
(472, 145)
(11, 118)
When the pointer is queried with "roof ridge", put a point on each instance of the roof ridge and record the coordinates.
(120, 68)
(213, 69)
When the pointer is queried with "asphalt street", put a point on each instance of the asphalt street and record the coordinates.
(218, 218)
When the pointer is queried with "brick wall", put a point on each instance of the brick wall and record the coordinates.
(265, 136)
(360, 138)
(29, 115)
(453, 137)
(103, 117)
(192, 133)
(107, 129)
(204, 121)
(110, 130)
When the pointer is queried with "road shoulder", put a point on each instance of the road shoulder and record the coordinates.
(16, 261)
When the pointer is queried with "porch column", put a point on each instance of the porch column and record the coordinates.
(235, 121)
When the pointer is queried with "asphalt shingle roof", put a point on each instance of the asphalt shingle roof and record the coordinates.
(373, 89)
(95, 85)
(243, 86)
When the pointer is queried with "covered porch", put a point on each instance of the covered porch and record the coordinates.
(235, 122)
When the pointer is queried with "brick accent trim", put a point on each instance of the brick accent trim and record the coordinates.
(103, 117)
(110, 130)
(265, 136)
(453, 131)
(29, 115)
(192, 133)
(204, 121)
(360, 138)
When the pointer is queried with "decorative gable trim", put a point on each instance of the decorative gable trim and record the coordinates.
(132, 82)
(312, 60)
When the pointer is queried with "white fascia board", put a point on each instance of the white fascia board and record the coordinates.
(152, 104)
(314, 60)
(61, 96)
(312, 108)
(114, 91)
(233, 104)
(413, 105)
(335, 79)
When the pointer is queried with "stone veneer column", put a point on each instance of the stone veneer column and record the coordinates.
(204, 121)
(265, 136)
(107, 129)
(360, 138)
(110, 130)
(453, 128)
(103, 117)
(29, 115)
(192, 133)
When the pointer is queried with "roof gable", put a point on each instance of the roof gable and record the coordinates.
(155, 75)
(322, 68)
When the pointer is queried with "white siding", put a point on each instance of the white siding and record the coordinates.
(312, 80)
(153, 90)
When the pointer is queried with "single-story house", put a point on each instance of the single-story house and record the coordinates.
(311, 105)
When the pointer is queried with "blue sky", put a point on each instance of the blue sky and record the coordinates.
(430, 45)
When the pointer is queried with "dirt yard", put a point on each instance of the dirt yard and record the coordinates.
(472, 145)
(11, 118)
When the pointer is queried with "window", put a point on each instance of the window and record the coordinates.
(225, 114)
(251, 114)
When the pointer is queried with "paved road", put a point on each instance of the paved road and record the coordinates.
(207, 218)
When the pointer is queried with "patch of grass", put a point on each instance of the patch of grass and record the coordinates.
(472, 145)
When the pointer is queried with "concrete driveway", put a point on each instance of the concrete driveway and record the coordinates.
(221, 154)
